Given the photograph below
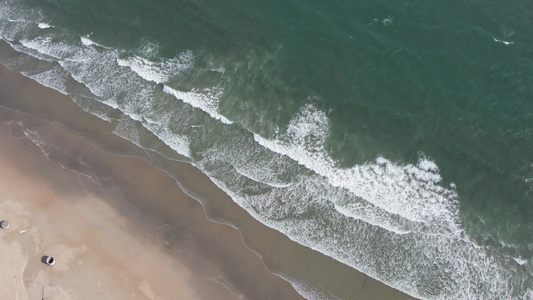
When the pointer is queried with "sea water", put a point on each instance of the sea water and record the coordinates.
(394, 136)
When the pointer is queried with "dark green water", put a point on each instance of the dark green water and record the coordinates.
(376, 124)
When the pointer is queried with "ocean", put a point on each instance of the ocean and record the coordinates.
(394, 136)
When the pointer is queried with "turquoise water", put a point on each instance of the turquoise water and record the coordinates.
(394, 137)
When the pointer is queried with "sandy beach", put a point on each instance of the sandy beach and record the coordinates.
(100, 254)
(105, 247)
(121, 228)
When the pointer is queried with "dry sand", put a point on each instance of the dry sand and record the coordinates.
(99, 253)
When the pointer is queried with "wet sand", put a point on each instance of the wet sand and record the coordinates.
(121, 228)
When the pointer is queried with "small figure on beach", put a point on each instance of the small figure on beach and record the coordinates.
(4, 224)
(49, 260)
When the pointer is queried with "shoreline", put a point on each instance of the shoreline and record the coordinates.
(105, 160)
(115, 182)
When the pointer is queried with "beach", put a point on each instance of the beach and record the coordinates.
(120, 228)
(99, 253)
(110, 249)
(279, 149)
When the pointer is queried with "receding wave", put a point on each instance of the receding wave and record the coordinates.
(393, 221)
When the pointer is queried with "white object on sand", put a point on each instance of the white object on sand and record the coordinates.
(4, 224)
(50, 261)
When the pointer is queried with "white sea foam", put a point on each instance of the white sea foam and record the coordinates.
(128, 130)
(520, 261)
(411, 191)
(144, 68)
(32, 48)
(503, 42)
(44, 25)
(443, 267)
(87, 41)
(158, 71)
(205, 99)
(261, 175)
(95, 68)
(178, 143)
(148, 49)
